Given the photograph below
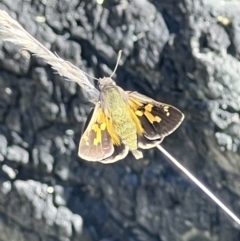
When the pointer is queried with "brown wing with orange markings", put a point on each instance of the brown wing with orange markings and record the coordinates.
(96, 143)
(157, 119)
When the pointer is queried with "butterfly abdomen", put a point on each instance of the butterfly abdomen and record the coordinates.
(127, 132)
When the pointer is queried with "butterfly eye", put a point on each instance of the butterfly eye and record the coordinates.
(100, 84)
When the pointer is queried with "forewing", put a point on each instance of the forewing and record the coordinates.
(95, 143)
(158, 119)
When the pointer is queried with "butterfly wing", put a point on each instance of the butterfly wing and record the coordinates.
(119, 153)
(96, 142)
(157, 119)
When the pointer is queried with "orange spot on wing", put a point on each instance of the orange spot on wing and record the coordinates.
(97, 131)
(157, 119)
(103, 126)
(149, 116)
(148, 107)
(139, 113)
(95, 127)
(165, 108)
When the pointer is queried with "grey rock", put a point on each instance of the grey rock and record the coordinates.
(3, 145)
(17, 154)
(184, 53)
(13, 120)
(9, 171)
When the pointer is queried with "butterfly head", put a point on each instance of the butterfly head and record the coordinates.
(105, 83)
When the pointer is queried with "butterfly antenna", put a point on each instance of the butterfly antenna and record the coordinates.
(200, 185)
(118, 59)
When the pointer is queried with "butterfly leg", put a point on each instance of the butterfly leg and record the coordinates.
(137, 154)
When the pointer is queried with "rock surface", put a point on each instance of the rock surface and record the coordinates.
(185, 53)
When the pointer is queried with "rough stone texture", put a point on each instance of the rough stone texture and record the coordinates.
(183, 52)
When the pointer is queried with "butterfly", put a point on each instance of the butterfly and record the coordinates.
(123, 122)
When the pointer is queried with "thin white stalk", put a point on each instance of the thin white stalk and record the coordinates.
(200, 185)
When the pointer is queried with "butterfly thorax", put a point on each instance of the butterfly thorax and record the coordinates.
(115, 108)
